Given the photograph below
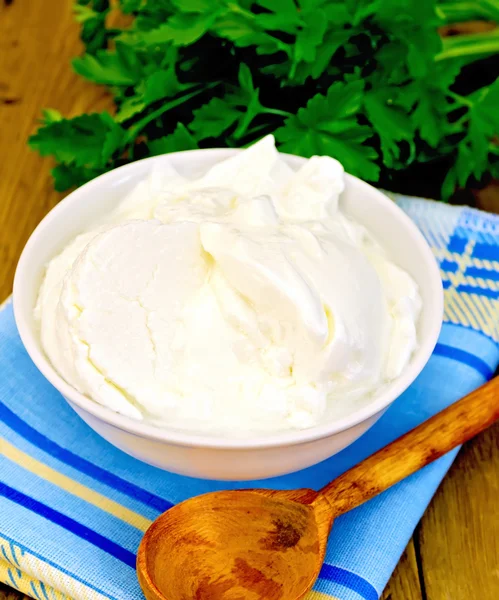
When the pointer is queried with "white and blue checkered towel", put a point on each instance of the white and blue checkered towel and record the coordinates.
(73, 508)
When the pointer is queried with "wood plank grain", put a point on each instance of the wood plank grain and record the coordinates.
(488, 197)
(404, 583)
(37, 43)
(460, 530)
(7, 593)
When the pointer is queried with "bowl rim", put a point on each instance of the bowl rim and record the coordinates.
(199, 440)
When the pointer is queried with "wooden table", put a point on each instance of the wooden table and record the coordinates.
(454, 553)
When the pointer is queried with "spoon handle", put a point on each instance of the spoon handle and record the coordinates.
(420, 446)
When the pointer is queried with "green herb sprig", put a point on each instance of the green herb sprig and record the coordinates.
(369, 82)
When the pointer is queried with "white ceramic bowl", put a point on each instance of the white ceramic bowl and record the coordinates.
(200, 455)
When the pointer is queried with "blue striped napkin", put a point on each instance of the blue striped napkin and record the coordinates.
(73, 508)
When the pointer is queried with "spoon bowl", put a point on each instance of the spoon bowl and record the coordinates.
(236, 545)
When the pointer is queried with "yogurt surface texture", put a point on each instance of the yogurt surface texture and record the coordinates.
(243, 301)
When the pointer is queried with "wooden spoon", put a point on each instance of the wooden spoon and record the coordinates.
(269, 545)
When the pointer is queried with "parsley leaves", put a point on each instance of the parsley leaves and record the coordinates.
(329, 125)
(369, 82)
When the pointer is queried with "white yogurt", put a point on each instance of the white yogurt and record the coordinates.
(243, 301)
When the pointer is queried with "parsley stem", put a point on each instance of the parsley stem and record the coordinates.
(276, 111)
(241, 11)
(460, 99)
(135, 129)
(470, 45)
(458, 12)
(257, 129)
(460, 125)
